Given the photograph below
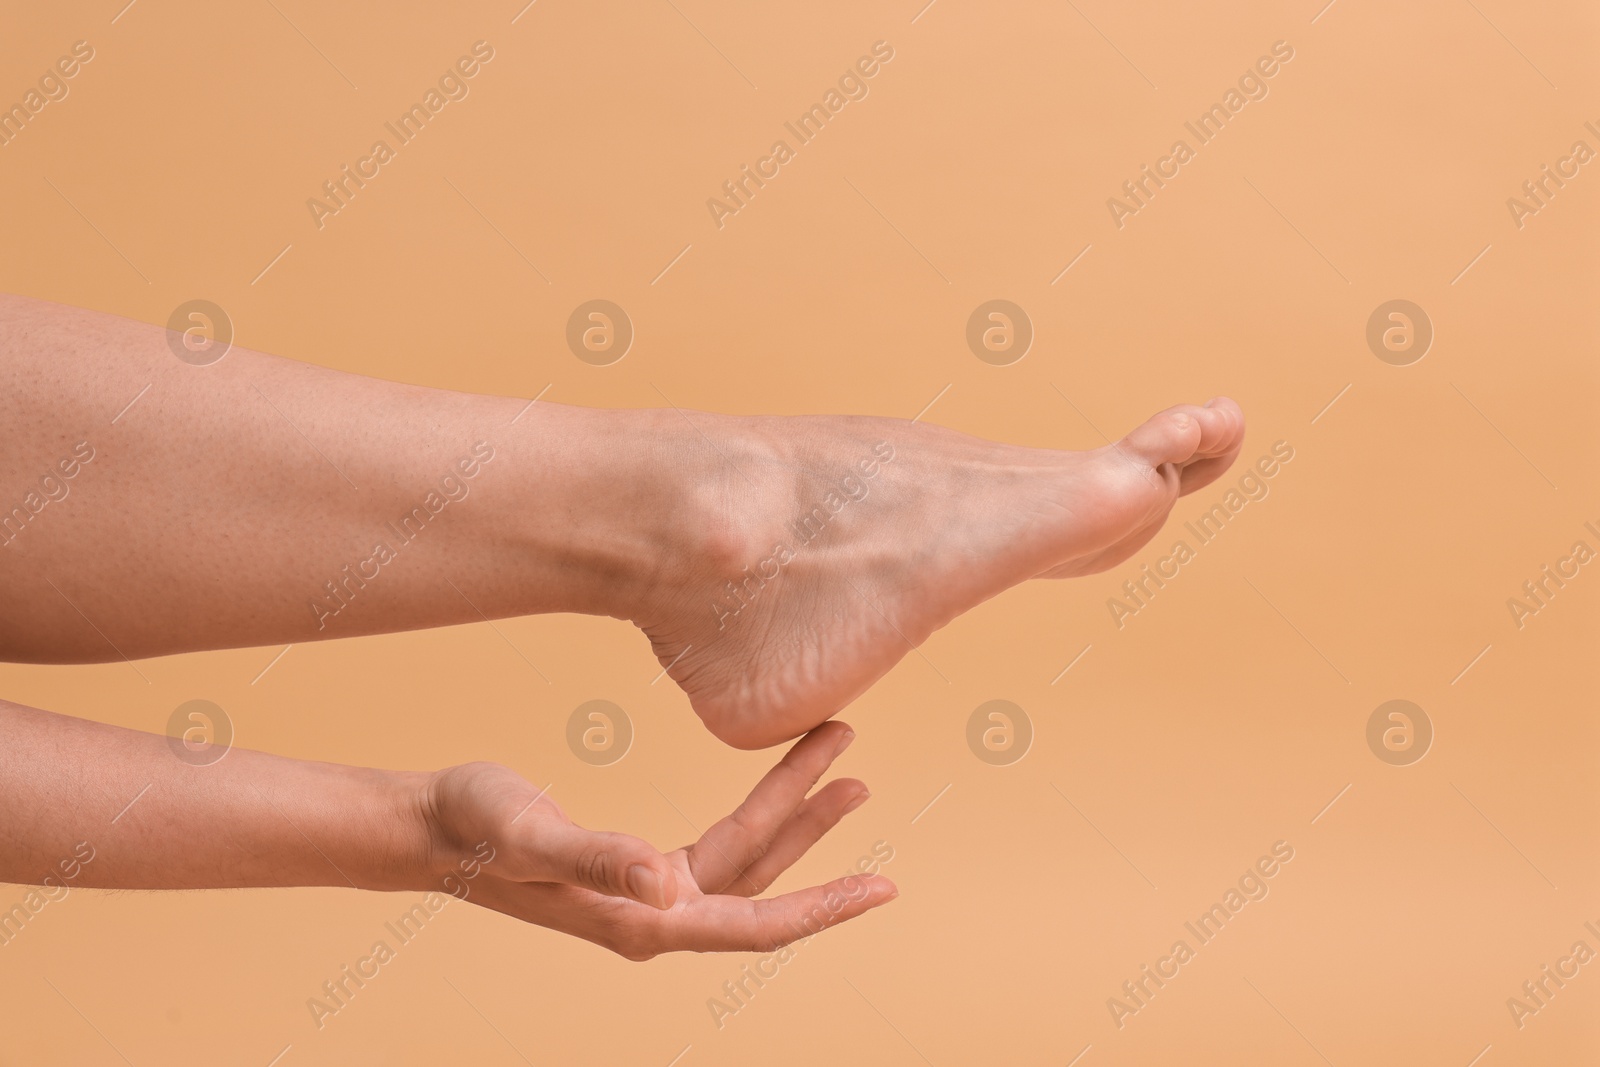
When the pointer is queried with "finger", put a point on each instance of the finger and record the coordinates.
(699, 924)
(616, 923)
(738, 924)
(819, 813)
(739, 840)
(618, 865)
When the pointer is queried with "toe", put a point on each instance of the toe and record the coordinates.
(1222, 428)
(1199, 442)
(1168, 437)
(1173, 436)
(1187, 433)
(1222, 435)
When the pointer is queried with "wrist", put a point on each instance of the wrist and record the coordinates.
(412, 856)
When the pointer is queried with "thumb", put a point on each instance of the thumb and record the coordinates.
(618, 865)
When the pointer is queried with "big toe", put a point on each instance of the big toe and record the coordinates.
(1198, 441)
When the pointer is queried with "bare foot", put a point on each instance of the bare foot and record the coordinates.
(780, 566)
(828, 547)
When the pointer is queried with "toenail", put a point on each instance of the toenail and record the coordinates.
(1181, 420)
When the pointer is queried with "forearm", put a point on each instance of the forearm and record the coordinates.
(258, 500)
(90, 805)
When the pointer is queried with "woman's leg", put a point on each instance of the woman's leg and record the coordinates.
(779, 566)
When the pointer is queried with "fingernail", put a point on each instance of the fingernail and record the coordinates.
(1212, 402)
(844, 742)
(861, 798)
(645, 885)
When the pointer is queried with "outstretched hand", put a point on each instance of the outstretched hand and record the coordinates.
(621, 893)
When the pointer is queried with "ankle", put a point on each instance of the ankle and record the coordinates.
(724, 492)
(623, 511)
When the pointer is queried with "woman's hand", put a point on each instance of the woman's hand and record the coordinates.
(621, 893)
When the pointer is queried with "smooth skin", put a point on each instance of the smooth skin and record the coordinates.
(91, 805)
(779, 567)
(243, 503)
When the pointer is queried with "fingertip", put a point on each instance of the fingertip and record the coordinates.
(669, 893)
(841, 734)
(649, 886)
(861, 797)
(878, 890)
(832, 737)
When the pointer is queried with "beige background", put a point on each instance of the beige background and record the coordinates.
(1224, 717)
